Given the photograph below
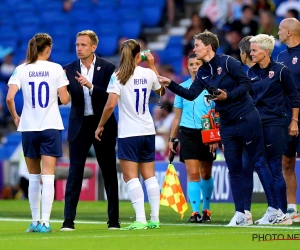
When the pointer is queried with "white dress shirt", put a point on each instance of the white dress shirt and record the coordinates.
(88, 74)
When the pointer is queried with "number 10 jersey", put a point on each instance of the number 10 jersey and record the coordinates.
(39, 82)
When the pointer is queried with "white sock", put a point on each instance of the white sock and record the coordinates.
(293, 206)
(47, 198)
(34, 197)
(136, 195)
(153, 197)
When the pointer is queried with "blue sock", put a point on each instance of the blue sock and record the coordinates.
(207, 187)
(194, 195)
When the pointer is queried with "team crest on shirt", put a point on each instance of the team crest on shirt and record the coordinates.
(219, 69)
(271, 74)
(295, 60)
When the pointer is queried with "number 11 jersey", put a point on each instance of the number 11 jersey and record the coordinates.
(134, 116)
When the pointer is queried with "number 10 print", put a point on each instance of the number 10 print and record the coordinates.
(40, 89)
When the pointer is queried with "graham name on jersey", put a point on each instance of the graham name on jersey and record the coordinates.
(38, 73)
(139, 81)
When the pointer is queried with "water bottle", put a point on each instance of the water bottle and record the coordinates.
(143, 56)
(205, 122)
(217, 120)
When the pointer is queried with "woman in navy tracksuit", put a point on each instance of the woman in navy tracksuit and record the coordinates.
(225, 79)
(271, 82)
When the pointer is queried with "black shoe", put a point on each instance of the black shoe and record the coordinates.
(68, 225)
(206, 215)
(195, 218)
(113, 225)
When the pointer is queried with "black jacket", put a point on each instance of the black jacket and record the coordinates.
(102, 72)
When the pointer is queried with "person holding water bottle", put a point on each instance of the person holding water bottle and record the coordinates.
(130, 87)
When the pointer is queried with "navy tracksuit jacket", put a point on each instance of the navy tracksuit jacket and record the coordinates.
(270, 86)
(240, 122)
(291, 58)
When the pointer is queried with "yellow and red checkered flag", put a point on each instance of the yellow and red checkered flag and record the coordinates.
(171, 193)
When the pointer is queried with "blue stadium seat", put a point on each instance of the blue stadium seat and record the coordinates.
(108, 45)
(61, 44)
(82, 26)
(177, 66)
(159, 3)
(25, 7)
(129, 14)
(12, 3)
(26, 20)
(9, 43)
(59, 31)
(27, 32)
(52, 6)
(130, 3)
(86, 5)
(175, 41)
(53, 18)
(62, 58)
(151, 15)
(130, 28)
(105, 15)
(107, 29)
(7, 34)
(101, 4)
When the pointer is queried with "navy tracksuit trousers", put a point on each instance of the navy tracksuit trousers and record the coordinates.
(247, 133)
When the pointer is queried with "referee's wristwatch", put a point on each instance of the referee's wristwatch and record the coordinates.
(172, 139)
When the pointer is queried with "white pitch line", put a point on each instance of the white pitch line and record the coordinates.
(164, 224)
(68, 235)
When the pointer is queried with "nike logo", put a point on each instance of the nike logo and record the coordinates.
(204, 77)
(247, 143)
(268, 145)
(253, 78)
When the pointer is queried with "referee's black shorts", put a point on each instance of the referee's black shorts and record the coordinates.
(192, 146)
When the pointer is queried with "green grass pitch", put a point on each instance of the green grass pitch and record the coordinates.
(91, 230)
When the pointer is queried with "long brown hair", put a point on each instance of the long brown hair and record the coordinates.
(37, 45)
(129, 49)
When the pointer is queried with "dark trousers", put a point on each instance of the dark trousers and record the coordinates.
(106, 157)
(246, 133)
(274, 138)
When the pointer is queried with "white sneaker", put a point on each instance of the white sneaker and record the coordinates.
(239, 219)
(294, 215)
(274, 216)
(282, 219)
(268, 218)
(249, 217)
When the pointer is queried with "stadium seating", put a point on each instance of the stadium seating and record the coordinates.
(151, 15)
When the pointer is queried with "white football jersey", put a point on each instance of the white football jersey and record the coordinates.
(134, 116)
(39, 83)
